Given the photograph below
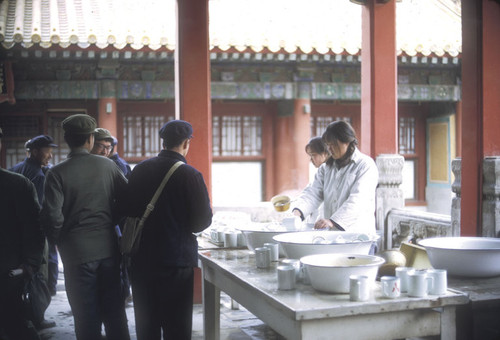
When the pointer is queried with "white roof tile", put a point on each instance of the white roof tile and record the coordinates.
(296, 26)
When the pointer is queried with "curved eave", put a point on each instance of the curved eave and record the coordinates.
(424, 28)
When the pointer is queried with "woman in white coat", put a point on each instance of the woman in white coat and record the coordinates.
(346, 185)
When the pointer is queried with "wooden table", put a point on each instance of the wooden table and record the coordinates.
(479, 319)
(304, 313)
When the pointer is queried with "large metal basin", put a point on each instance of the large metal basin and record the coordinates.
(257, 234)
(297, 245)
(464, 256)
(330, 272)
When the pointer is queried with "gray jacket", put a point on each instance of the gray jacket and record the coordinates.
(77, 212)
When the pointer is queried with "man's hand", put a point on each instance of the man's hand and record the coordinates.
(323, 224)
(28, 271)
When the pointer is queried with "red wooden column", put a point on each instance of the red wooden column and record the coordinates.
(192, 81)
(293, 132)
(491, 78)
(192, 92)
(480, 103)
(108, 117)
(379, 124)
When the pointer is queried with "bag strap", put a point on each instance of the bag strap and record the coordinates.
(151, 205)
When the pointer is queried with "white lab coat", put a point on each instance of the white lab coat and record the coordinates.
(348, 194)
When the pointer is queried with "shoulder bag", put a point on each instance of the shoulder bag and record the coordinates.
(132, 230)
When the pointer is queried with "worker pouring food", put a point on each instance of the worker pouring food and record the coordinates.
(345, 183)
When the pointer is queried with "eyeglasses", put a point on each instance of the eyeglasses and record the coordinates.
(105, 147)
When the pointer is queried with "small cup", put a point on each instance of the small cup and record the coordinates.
(391, 286)
(214, 236)
(240, 239)
(286, 277)
(220, 236)
(419, 283)
(275, 250)
(295, 264)
(359, 288)
(262, 257)
(230, 239)
(439, 282)
(304, 275)
(402, 273)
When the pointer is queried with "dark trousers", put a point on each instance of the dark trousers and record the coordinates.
(53, 270)
(163, 300)
(13, 324)
(95, 298)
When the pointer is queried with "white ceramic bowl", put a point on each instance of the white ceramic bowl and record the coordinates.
(297, 245)
(464, 256)
(330, 272)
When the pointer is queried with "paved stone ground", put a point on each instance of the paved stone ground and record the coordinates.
(236, 324)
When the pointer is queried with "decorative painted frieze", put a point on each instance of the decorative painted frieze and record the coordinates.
(140, 90)
(57, 90)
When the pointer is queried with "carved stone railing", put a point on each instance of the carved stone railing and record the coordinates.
(491, 197)
(404, 225)
(490, 200)
(389, 194)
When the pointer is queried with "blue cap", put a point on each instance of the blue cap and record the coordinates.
(42, 141)
(176, 131)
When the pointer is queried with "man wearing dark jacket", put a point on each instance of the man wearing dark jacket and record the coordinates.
(40, 154)
(162, 272)
(21, 246)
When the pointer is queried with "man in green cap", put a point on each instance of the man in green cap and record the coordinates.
(77, 215)
(103, 143)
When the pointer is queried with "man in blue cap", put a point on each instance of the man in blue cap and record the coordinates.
(162, 272)
(21, 247)
(40, 153)
(77, 215)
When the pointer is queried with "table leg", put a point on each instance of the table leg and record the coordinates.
(211, 311)
(448, 324)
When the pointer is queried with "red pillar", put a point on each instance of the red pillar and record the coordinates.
(491, 78)
(293, 132)
(108, 117)
(378, 133)
(192, 91)
(472, 148)
(192, 82)
(480, 102)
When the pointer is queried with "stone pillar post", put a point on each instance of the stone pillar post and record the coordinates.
(456, 187)
(389, 194)
(491, 196)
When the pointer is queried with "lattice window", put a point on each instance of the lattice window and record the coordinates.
(406, 135)
(14, 153)
(140, 135)
(319, 123)
(20, 126)
(237, 135)
(55, 131)
(15, 130)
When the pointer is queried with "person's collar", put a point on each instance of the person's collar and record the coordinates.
(33, 162)
(172, 154)
(356, 156)
(78, 151)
